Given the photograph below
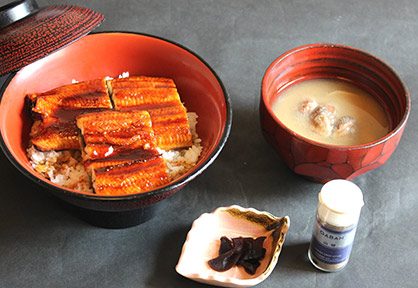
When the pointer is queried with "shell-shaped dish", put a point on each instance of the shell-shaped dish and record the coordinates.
(203, 241)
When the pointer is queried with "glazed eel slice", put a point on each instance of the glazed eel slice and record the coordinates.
(171, 127)
(160, 98)
(68, 101)
(119, 152)
(54, 136)
(142, 93)
(108, 133)
(121, 177)
(54, 113)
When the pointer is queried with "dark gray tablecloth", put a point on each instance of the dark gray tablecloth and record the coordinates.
(42, 245)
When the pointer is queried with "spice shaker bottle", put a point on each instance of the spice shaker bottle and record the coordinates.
(338, 212)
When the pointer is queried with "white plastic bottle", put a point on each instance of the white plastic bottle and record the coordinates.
(340, 202)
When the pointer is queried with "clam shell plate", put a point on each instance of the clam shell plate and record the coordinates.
(203, 241)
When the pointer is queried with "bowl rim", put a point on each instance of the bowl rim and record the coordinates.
(394, 131)
(142, 195)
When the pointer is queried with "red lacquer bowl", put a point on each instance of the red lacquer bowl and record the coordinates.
(321, 162)
(111, 54)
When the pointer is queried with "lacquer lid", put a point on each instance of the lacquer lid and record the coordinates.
(28, 33)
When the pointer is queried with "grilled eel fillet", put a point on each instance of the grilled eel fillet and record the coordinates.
(55, 136)
(142, 93)
(160, 98)
(129, 177)
(66, 102)
(108, 133)
(54, 112)
(119, 152)
(171, 127)
(157, 95)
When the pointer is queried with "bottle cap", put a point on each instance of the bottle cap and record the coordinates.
(340, 202)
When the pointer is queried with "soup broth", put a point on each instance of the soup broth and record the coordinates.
(331, 111)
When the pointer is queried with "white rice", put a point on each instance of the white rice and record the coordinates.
(65, 168)
(61, 167)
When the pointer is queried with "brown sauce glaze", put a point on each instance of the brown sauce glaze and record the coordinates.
(133, 155)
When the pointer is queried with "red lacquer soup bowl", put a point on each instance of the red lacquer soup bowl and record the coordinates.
(111, 54)
(322, 162)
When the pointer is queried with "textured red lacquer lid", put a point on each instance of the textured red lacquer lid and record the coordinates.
(28, 33)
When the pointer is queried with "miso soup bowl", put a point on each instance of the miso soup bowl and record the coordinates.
(111, 54)
(323, 162)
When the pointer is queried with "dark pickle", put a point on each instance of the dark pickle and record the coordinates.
(245, 252)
